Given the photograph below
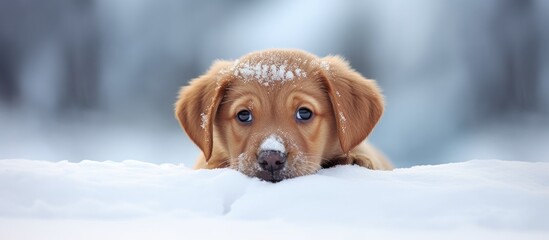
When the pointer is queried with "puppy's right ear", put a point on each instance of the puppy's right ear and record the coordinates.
(197, 105)
(357, 101)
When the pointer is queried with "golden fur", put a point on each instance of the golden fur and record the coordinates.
(272, 85)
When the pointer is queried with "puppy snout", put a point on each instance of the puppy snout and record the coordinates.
(271, 160)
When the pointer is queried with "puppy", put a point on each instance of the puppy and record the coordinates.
(279, 114)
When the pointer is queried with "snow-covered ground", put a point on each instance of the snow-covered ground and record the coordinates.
(480, 199)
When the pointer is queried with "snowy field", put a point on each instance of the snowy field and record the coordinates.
(480, 199)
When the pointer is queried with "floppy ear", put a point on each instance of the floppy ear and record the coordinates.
(197, 105)
(357, 101)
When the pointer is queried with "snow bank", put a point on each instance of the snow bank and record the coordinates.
(483, 199)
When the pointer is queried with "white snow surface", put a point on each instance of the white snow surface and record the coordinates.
(479, 199)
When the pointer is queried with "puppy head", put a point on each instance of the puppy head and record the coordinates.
(278, 114)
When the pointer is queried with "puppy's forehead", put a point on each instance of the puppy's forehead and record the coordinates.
(269, 77)
(275, 67)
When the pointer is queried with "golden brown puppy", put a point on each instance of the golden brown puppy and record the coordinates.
(280, 114)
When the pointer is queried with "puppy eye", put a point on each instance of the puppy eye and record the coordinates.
(303, 114)
(244, 116)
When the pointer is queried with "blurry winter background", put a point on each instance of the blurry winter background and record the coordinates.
(82, 79)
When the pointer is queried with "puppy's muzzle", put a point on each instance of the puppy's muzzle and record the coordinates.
(271, 160)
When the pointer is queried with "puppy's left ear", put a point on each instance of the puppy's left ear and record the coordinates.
(357, 101)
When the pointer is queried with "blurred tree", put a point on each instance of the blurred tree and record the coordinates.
(8, 83)
(80, 43)
(502, 46)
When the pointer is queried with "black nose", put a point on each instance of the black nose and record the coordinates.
(271, 160)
